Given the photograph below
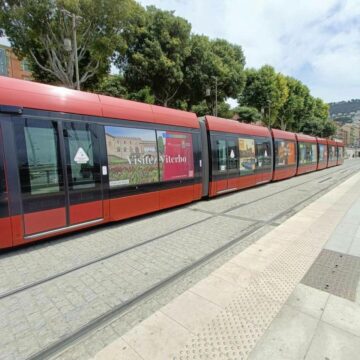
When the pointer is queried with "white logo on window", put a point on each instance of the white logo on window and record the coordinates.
(81, 156)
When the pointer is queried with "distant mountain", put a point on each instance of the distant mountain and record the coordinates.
(345, 111)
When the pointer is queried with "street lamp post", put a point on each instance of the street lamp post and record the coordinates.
(208, 94)
(269, 102)
(68, 46)
(76, 54)
(216, 96)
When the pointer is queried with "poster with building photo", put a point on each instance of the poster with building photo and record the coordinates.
(247, 156)
(132, 156)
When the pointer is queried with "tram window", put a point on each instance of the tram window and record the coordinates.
(263, 154)
(175, 155)
(332, 154)
(313, 153)
(307, 153)
(127, 167)
(322, 152)
(221, 155)
(81, 156)
(340, 152)
(247, 156)
(39, 163)
(2, 180)
(2, 174)
(285, 154)
(233, 156)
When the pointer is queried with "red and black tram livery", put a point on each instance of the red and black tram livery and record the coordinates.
(70, 160)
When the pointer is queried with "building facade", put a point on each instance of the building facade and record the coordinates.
(11, 66)
(349, 134)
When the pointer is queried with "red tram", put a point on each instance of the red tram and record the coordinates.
(285, 154)
(70, 160)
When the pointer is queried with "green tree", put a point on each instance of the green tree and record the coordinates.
(265, 90)
(329, 128)
(112, 85)
(37, 29)
(202, 109)
(213, 70)
(154, 58)
(291, 112)
(248, 114)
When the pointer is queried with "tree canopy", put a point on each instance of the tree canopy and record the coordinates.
(37, 30)
(155, 55)
(160, 61)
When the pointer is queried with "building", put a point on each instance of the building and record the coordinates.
(349, 134)
(125, 147)
(11, 66)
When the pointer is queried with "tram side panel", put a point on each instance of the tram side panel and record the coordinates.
(322, 153)
(240, 155)
(340, 153)
(5, 221)
(285, 154)
(152, 168)
(332, 158)
(307, 154)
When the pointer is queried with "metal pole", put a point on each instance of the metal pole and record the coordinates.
(216, 102)
(76, 54)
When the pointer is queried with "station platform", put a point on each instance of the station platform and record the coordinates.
(293, 294)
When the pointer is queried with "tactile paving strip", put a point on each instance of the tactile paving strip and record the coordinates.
(335, 273)
(234, 332)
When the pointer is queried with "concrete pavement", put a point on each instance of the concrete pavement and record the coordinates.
(255, 306)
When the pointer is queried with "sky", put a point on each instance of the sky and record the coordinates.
(315, 41)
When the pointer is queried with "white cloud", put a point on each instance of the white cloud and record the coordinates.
(4, 41)
(317, 42)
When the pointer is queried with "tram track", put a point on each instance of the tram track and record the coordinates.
(96, 260)
(107, 317)
(283, 190)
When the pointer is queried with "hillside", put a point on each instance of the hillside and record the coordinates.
(347, 109)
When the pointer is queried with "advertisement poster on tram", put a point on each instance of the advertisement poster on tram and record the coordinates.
(141, 156)
(176, 155)
(285, 153)
(247, 156)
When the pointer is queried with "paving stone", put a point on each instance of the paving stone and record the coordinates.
(288, 336)
(308, 300)
(333, 343)
(343, 314)
(57, 308)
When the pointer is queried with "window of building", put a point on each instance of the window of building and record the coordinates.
(175, 155)
(285, 154)
(25, 66)
(247, 156)
(3, 62)
(132, 168)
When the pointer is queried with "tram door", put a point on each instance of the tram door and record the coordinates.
(225, 163)
(83, 177)
(5, 222)
(59, 170)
